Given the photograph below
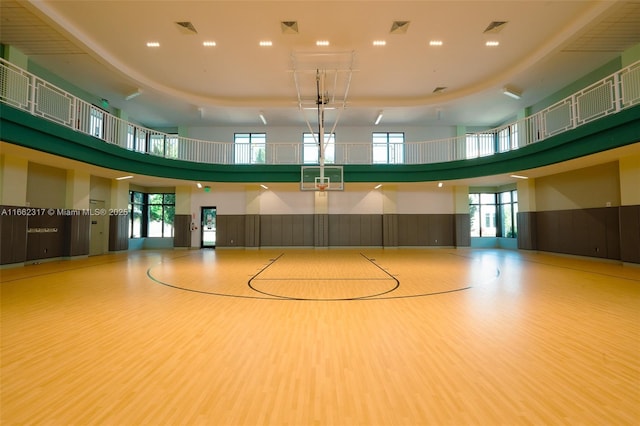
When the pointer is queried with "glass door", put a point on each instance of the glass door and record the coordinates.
(208, 221)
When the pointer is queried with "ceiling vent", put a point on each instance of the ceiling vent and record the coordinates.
(399, 27)
(289, 27)
(439, 89)
(186, 27)
(495, 27)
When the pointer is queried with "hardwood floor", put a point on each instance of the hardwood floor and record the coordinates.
(321, 337)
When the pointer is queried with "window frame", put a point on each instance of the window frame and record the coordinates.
(310, 140)
(142, 201)
(384, 141)
(256, 142)
(485, 206)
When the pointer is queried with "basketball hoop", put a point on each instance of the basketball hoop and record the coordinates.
(322, 183)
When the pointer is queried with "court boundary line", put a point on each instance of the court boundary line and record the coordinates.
(276, 296)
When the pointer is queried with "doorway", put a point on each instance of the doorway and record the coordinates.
(98, 221)
(208, 226)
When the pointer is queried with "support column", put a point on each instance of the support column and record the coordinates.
(462, 222)
(389, 216)
(13, 193)
(526, 220)
(13, 181)
(182, 219)
(629, 215)
(78, 227)
(252, 217)
(119, 223)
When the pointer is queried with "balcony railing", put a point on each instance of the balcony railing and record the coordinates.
(30, 93)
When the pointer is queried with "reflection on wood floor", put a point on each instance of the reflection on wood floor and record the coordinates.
(321, 337)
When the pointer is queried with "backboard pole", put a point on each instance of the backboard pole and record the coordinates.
(320, 77)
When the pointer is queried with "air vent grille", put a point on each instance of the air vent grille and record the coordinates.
(495, 27)
(399, 27)
(187, 27)
(289, 27)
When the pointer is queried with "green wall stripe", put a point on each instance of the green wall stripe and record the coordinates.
(21, 128)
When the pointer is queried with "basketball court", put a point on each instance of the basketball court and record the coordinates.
(321, 336)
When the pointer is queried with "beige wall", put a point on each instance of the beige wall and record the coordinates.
(13, 180)
(101, 190)
(597, 186)
(46, 186)
(630, 180)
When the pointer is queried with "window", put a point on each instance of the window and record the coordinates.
(250, 148)
(96, 122)
(156, 145)
(171, 146)
(161, 211)
(508, 214)
(131, 137)
(141, 140)
(310, 149)
(508, 138)
(151, 215)
(480, 144)
(388, 148)
(136, 207)
(482, 209)
(494, 215)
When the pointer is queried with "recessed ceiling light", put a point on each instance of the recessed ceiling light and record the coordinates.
(519, 177)
(266, 43)
(124, 177)
(492, 43)
(199, 185)
(378, 186)
(440, 184)
(264, 186)
(379, 42)
(153, 44)
(208, 43)
(322, 43)
(435, 43)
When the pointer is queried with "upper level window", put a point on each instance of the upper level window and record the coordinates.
(480, 144)
(96, 122)
(171, 146)
(388, 148)
(131, 137)
(311, 148)
(141, 140)
(156, 144)
(163, 145)
(250, 148)
(508, 138)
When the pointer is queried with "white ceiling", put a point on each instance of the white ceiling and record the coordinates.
(100, 46)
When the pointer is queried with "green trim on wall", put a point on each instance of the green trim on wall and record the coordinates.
(21, 128)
